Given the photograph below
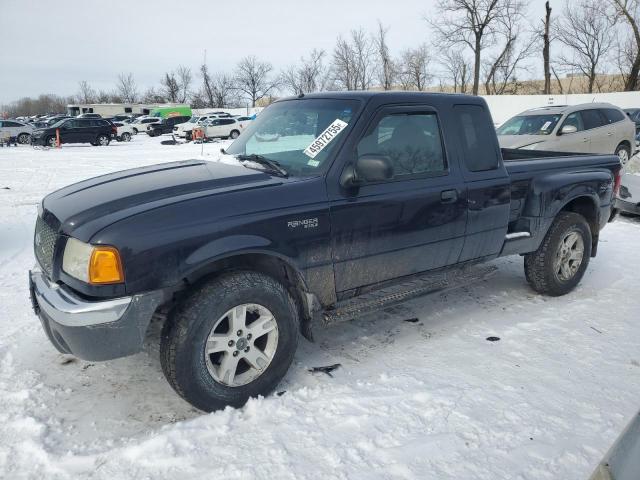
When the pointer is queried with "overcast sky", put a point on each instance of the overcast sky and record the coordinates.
(48, 47)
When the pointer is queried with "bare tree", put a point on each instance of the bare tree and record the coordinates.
(183, 75)
(457, 69)
(352, 65)
(414, 68)
(151, 95)
(307, 76)
(546, 49)
(386, 66)
(86, 94)
(629, 11)
(588, 34)
(253, 78)
(517, 46)
(472, 23)
(207, 86)
(127, 88)
(170, 87)
(224, 91)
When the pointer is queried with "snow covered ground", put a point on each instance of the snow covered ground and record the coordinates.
(431, 399)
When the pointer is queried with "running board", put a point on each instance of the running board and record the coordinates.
(417, 287)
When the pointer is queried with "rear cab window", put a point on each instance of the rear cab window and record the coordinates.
(475, 133)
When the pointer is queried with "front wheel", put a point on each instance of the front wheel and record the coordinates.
(234, 134)
(561, 260)
(624, 153)
(24, 138)
(135, 131)
(51, 142)
(126, 137)
(232, 339)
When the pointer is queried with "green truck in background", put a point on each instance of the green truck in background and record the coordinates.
(171, 111)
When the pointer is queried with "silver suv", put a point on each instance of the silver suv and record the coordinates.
(585, 128)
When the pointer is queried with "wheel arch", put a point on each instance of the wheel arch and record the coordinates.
(587, 207)
(275, 265)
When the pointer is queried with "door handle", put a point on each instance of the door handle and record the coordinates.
(610, 134)
(449, 196)
(585, 140)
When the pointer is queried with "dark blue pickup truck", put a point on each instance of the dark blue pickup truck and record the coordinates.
(326, 205)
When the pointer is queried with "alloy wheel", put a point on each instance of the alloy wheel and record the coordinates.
(241, 345)
(569, 256)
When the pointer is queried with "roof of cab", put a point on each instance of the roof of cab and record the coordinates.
(391, 95)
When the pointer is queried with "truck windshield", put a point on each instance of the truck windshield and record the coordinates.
(298, 134)
(529, 125)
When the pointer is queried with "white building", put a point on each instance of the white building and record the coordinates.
(111, 109)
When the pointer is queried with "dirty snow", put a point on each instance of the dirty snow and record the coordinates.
(431, 399)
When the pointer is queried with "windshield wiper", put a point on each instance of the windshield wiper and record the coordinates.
(273, 166)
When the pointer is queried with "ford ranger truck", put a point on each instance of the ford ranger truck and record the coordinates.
(327, 205)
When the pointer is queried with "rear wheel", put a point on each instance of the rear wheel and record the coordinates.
(126, 137)
(232, 339)
(135, 131)
(102, 140)
(234, 134)
(623, 152)
(24, 138)
(560, 262)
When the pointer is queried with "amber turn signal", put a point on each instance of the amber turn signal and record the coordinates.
(105, 266)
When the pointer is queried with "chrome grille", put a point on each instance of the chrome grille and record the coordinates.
(44, 245)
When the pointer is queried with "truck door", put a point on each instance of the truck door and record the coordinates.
(487, 182)
(410, 223)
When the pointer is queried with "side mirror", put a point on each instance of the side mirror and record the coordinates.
(568, 129)
(368, 168)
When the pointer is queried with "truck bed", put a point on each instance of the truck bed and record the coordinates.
(537, 182)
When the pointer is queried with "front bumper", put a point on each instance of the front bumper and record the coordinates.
(92, 330)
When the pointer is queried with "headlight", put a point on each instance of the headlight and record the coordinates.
(95, 264)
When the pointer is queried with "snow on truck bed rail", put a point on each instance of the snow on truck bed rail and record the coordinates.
(412, 400)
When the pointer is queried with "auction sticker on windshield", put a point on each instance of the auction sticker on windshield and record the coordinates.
(325, 138)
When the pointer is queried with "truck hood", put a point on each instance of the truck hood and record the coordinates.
(519, 141)
(86, 207)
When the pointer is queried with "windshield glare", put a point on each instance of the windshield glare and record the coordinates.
(529, 125)
(284, 130)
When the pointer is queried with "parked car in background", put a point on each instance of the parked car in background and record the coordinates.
(184, 129)
(121, 117)
(166, 125)
(223, 128)
(18, 131)
(585, 128)
(96, 131)
(56, 119)
(628, 198)
(89, 115)
(124, 132)
(142, 124)
(634, 115)
(245, 119)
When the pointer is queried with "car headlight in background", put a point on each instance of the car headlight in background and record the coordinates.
(94, 264)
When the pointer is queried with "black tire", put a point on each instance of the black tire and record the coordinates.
(623, 147)
(51, 141)
(24, 138)
(539, 265)
(126, 137)
(151, 133)
(185, 333)
(135, 131)
(234, 134)
(187, 136)
(102, 140)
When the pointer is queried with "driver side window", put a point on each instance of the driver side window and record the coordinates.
(411, 141)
